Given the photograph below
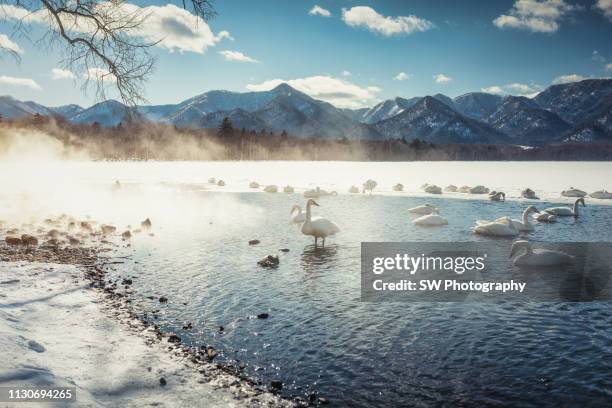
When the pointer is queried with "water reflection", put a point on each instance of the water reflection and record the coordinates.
(316, 257)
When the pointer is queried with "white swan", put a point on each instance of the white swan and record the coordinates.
(497, 228)
(524, 224)
(317, 227)
(369, 185)
(566, 211)
(424, 209)
(545, 217)
(530, 194)
(538, 256)
(430, 220)
(298, 218)
(573, 192)
(497, 196)
(601, 194)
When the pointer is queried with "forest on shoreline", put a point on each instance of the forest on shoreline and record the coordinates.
(149, 141)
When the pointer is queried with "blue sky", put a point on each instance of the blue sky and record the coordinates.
(351, 53)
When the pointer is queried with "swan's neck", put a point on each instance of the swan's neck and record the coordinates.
(526, 217)
(576, 208)
(308, 216)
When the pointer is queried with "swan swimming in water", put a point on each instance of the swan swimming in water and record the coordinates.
(601, 194)
(497, 196)
(298, 218)
(545, 217)
(566, 211)
(573, 192)
(317, 227)
(502, 227)
(430, 220)
(521, 225)
(538, 256)
(530, 194)
(424, 209)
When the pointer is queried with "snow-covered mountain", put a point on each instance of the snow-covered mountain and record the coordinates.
(579, 111)
(434, 121)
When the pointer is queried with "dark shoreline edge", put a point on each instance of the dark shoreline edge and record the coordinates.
(117, 306)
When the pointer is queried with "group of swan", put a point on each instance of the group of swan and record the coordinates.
(429, 216)
(317, 227)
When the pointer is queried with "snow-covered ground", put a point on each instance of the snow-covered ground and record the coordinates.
(56, 330)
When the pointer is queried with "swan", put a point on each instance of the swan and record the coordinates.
(530, 194)
(221, 183)
(298, 218)
(537, 256)
(254, 184)
(430, 220)
(566, 211)
(545, 217)
(464, 189)
(424, 209)
(601, 194)
(573, 192)
(369, 185)
(317, 227)
(451, 188)
(433, 189)
(288, 189)
(398, 187)
(271, 189)
(318, 192)
(503, 227)
(497, 196)
(354, 190)
(521, 225)
(479, 190)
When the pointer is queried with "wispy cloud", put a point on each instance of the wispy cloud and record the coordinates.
(540, 16)
(367, 17)
(58, 73)
(497, 90)
(99, 74)
(170, 27)
(605, 6)
(7, 45)
(523, 89)
(442, 79)
(22, 82)
(347, 73)
(338, 92)
(597, 57)
(319, 11)
(237, 56)
(402, 76)
(566, 79)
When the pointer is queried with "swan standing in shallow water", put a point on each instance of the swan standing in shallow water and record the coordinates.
(524, 224)
(298, 218)
(317, 227)
(502, 227)
(566, 211)
(538, 256)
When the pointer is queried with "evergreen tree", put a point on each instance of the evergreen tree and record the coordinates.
(225, 128)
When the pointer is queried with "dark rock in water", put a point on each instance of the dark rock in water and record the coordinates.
(312, 396)
(10, 281)
(211, 353)
(126, 282)
(188, 326)
(27, 239)
(323, 401)
(36, 346)
(276, 384)
(163, 299)
(285, 250)
(13, 240)
(126, 235)
(221, 329)
(270, 261)
(254, 242)
(263, 316)
(173, 338)
(162, 381)
(146, 224)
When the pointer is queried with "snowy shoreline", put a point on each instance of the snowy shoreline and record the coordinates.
(58, 329)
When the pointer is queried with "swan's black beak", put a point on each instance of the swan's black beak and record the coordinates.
(315, 203)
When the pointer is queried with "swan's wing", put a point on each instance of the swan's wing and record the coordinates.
(324, 225)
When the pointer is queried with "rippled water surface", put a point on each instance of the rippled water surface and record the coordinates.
(319, 336)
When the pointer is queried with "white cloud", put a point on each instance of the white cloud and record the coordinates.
(523, 89)
(237, 56)
(605, 6)
(7, 45)
(319, 11)
(442, 79)
(596, 56)
(402, 76)
(347, 73)
(566, 79)
(99, 74)
(26, 82)
(338, 92)
(367, 17)
(170, 27)
(541, 16)
(609, 67)
(497, 90)
(58, 73)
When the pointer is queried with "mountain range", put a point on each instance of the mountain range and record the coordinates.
(574, 112)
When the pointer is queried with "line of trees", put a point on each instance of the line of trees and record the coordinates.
(149, 141)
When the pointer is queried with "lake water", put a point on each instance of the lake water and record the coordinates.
(319, 336)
